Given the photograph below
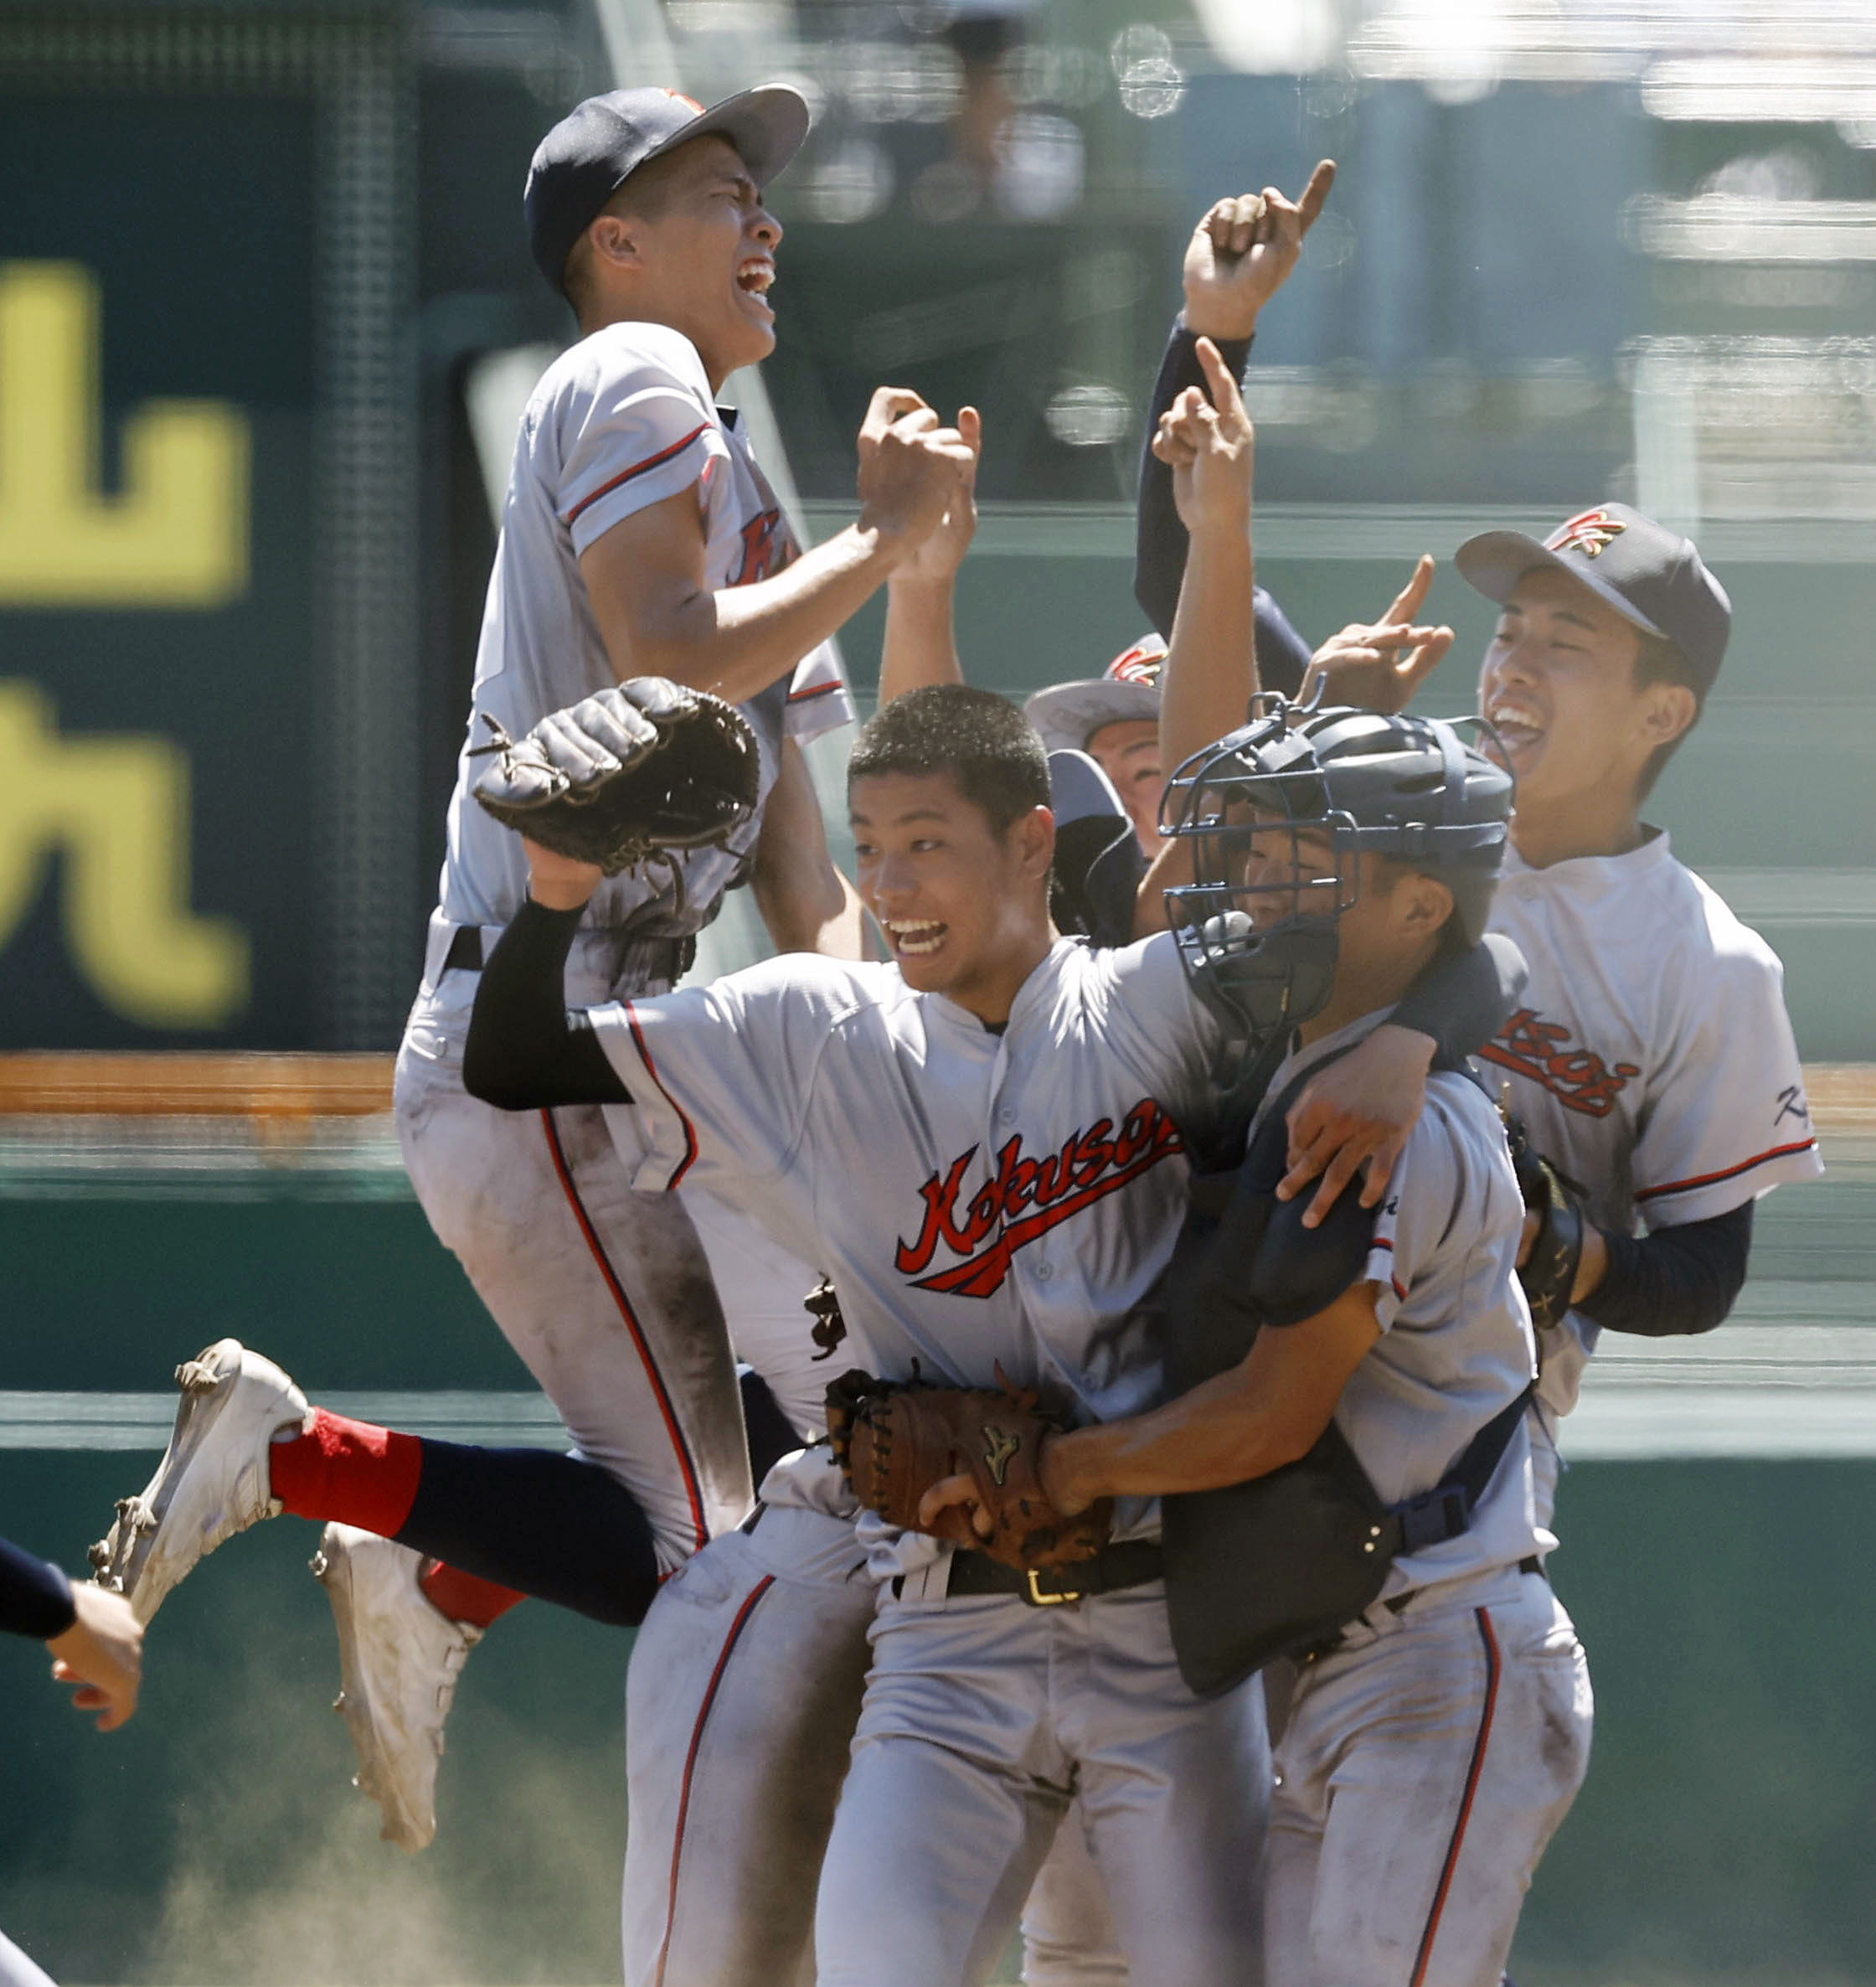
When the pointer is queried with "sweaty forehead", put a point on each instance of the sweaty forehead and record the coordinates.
(877, 799)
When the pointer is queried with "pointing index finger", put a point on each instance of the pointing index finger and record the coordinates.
(1223, 387)
(1316, 192)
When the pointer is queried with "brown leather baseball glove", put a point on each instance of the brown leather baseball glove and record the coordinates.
(894, 1439)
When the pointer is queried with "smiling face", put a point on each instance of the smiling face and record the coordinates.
(1127, 752)
(1559, 683)
(686, 242)
(965, 910)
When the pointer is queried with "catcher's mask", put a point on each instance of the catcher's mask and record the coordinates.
(1276, 815)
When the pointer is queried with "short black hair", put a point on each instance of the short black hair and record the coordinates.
(1658, 660)
(982, 741)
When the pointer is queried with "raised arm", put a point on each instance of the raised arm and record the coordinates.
(658, 616)
(1209, 672)
(1240, 254)
(920, 643)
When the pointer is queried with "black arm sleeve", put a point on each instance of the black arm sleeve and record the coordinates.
(35, 1598)
(1675, 1281)
(525, 1052)
(1462, 1000)
(1160, 542)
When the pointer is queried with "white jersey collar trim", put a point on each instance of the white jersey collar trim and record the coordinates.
(1032, 991)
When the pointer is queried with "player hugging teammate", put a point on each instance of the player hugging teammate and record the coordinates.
(1124, 1422)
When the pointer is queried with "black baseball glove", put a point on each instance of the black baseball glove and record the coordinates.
(1548, 1269)
(644, 769)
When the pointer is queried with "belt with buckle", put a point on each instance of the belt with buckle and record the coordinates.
(1132, 1563)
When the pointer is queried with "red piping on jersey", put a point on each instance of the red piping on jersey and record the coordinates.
(730, 1642)
(1711, 1179)
(814, 690)
(1493, 1666)
(625, 476)
(686, 1467)
(651, 1070)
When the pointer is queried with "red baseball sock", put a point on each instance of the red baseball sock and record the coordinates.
(464, 1597)
(348, 1472)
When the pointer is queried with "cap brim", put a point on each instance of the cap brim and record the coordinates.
(1495, 562)
(766, 125)
(1069, 714)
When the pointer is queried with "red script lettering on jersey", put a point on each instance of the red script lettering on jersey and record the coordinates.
(1090, 1165)
(767, 547)
(1578, 1078)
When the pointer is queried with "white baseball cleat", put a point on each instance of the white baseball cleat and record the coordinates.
(399, 1661)
(213, 1481)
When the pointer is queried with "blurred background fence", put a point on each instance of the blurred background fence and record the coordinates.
(266, 320)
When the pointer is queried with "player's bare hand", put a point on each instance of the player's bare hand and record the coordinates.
(102, 1652)
(935, 561)
(1356, 1115)
(1242, 252)
(1378, 665)
(910, 466)
(560, 882)
(1207, 442)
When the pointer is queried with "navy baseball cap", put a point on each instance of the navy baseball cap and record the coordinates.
(592, 152)
(1652, 576)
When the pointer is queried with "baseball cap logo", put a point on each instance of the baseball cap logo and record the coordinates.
(1139, 664)
(1588, 531)
(690, 103)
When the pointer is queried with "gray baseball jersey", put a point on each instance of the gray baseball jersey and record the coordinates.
(602, 1292)
(975, 1197)
(621, 420)
(1456, 1343)
(1652, 1059)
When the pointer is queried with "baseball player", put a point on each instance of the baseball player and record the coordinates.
(1436, 1740)
(1651, 1059)
(638, 535)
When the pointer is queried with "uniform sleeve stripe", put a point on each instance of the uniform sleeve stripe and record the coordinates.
(1712, 1180)
(651, 1070)
(814, 690)
(625, 476)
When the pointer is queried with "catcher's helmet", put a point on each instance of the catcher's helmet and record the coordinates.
(1257, 930)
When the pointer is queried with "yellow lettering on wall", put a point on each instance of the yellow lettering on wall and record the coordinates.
(177, 535)
(118, 810)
